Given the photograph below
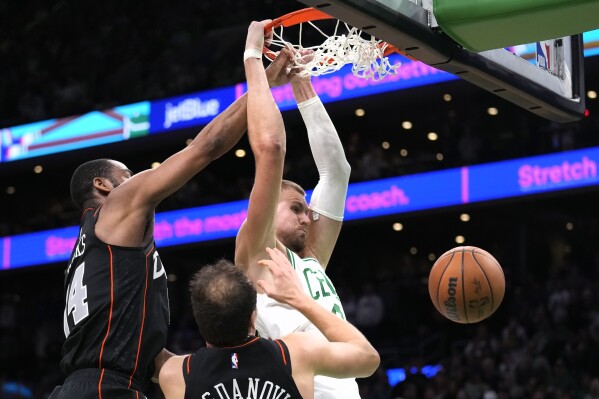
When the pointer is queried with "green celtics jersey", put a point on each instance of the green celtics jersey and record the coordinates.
(276, 320)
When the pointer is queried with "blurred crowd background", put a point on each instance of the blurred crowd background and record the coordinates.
(63, 58)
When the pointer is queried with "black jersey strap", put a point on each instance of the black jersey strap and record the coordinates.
(69, 270)
(186, 369)
(187, 365)
(284, 354)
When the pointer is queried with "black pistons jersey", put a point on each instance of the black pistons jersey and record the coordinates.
(259, 368)
(116, 314)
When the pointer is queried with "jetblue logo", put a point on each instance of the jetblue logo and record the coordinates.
(234, 361)
(189, 109)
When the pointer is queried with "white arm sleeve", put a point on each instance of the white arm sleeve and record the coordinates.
(328, 198)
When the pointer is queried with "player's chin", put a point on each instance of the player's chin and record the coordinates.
(298, 244)
(302, 241)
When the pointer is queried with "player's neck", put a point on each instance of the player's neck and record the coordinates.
(231, 344)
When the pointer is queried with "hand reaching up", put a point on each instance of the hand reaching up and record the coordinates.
(277, 72)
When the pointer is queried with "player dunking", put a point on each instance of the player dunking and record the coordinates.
(278, 215)
(117, 313)
(237, 364)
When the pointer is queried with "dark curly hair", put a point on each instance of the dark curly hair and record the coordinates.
(82, 189)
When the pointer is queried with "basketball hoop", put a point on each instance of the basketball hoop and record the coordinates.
(345, 45)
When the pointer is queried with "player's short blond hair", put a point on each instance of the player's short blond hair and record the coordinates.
(288, 184)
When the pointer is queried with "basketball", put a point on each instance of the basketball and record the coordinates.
(466, 284)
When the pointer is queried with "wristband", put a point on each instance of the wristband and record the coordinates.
(251, 53)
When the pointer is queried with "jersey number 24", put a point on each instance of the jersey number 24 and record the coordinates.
(76, 301)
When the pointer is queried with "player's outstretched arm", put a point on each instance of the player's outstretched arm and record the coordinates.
(146, 189)
(130, 206)
(267, 139)
(345, 353)
(327, 204)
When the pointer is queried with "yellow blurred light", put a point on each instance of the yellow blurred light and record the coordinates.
(240, 153)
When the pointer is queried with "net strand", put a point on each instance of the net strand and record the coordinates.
(366, 56)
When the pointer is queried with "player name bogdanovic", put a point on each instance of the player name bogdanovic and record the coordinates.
(255, 389)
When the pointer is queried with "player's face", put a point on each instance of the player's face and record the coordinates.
(120, 174)
(292, 221)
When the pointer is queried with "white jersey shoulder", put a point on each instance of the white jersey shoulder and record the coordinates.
(276, 320)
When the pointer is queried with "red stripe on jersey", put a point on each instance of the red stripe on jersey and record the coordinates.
(239, 346)
(85, 211)
(100, 385)
(282, 351)
(111, 305)
(150, 251)
(188, 359)
(143, 320)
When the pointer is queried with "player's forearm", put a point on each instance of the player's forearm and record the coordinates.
(338, 330)
(226, 129)
(329, 156)
(325, 144)
(302, 90)
(331, 326)
(265, 122)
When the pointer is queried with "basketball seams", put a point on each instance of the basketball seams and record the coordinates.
(491, 259)
(441, 279)
(457, 280)
(482, 269)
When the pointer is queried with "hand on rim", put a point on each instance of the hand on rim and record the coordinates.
(277, 72)
(256, 36)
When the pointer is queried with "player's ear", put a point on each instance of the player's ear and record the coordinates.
(101, 184)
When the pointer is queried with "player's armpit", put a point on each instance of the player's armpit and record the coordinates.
(171, 378)
(160, 359)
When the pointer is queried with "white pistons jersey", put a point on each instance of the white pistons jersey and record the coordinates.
(276, 320)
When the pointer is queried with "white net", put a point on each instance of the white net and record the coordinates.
(367, 56)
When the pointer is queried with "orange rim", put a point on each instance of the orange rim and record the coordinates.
(297, 17)
(306, 15)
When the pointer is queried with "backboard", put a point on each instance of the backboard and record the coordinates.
(410, 25)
